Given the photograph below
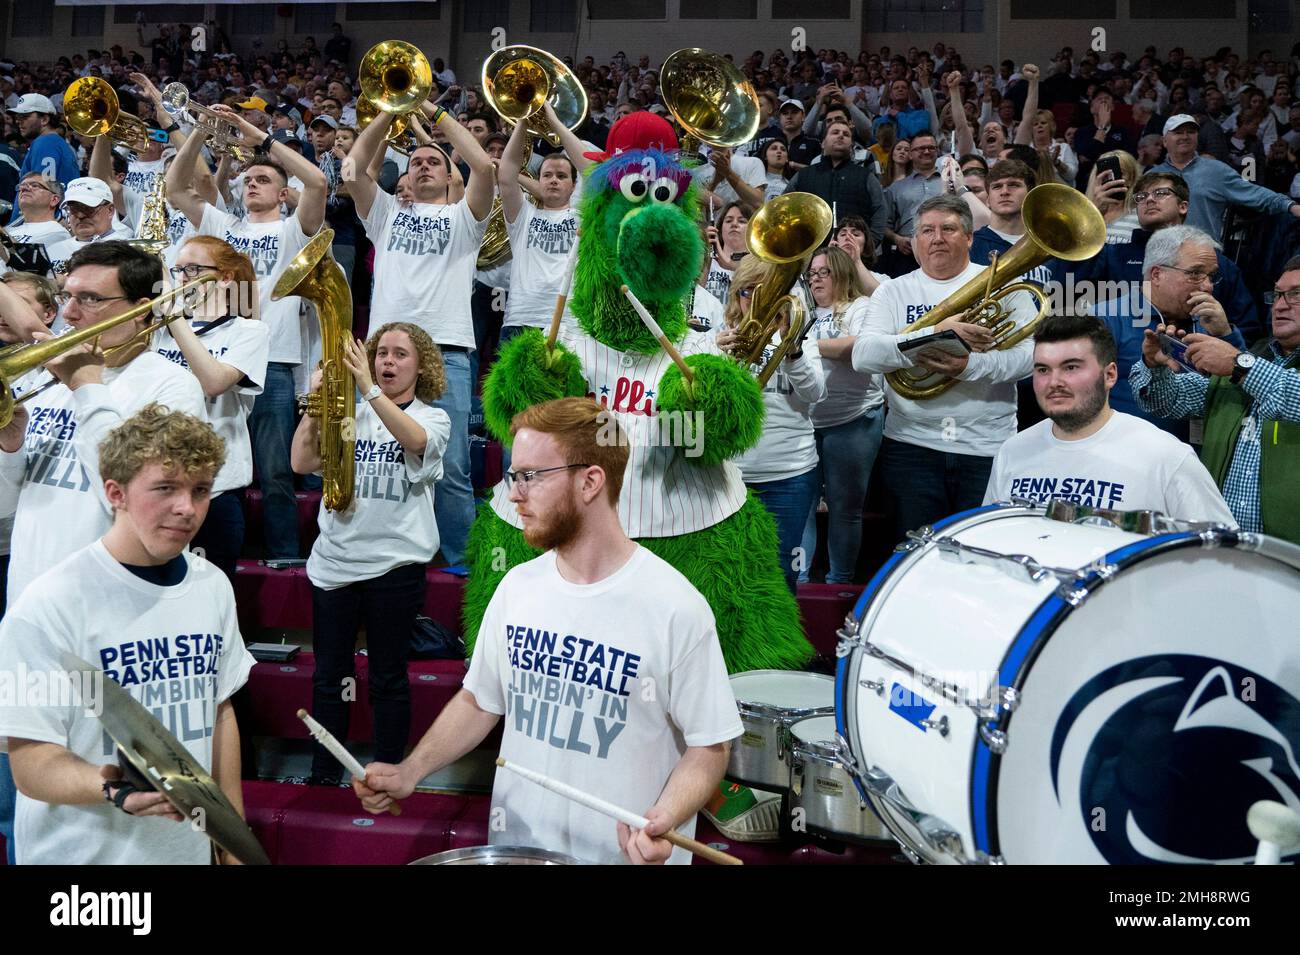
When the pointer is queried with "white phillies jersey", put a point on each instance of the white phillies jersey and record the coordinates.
(665, 491)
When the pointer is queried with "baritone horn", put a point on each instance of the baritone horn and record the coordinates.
(710, 98)
(783, 233)
(1060, 222)
(93, 109)
(314, 275)
(395, 76)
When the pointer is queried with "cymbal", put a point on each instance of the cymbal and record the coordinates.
(171, 768)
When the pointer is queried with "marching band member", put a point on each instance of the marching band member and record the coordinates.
(632, 621)
(541, 240)
(226, 349)
(781, 469)
(132, 588)
(270, 243)
(425, 255)
(1088, 452)
(368, 564)
(937, 452)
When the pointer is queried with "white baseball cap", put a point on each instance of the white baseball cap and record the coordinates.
(791, 102)
(34, 103)
(1180, 119)
(88, 191)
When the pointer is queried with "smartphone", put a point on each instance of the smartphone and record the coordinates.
(1108, 164)
(1176, 349)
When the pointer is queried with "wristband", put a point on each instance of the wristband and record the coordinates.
(438, 113)
(372, 394)
(264, 147)
(174, 127)
(124, 789)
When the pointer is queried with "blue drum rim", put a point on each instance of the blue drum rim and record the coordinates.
(869, 593)
(1023, 653)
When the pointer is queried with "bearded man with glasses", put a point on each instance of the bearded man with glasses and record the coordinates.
(1250, 400)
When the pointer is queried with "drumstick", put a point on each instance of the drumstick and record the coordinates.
(658, 333)
(562, 298)
(622, 815)
(337, 750)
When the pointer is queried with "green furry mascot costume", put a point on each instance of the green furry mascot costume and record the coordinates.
(682, 498)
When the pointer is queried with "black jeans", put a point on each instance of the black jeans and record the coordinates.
(387, 605)
(221, 536)
(926, 485)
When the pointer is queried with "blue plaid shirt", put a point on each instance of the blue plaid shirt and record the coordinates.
(1276, 394)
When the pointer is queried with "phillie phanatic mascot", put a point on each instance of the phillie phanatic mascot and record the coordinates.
(682, 498)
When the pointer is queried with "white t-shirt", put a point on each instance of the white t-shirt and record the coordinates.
(53, 480)
(665, 490)
(718, 281)
(177, 650)
(706, 311)
(750, 169)
(271, 246)
(1128, 465)
(541, 241)
(849, 394)
(140, 176)
(46, 233)
(978, 413)
(390, 522)
(568, 666)
(243, 344)
(60, 250)
(22, 385)
(788, 444)
(424, 266)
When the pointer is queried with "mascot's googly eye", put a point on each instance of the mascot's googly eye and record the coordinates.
(663, 190)
(634, 187)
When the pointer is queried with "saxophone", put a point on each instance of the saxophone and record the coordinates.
(314, 275)
(151, 235)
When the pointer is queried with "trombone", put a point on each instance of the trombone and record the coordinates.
(93, 109)
(17, 361)
(220, 134)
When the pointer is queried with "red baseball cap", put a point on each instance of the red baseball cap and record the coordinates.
(639, 130)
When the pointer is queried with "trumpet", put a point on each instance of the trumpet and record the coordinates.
(16, 361)
(1060, 222)
(93, 109)
(784, 233)
(220, 134)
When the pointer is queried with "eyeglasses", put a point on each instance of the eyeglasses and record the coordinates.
(188, 272)
(925, 149)
(819, 273)
(31, 185)
(1196, 275)
(1290, 295)
(88, 300)
(523, 479)
(1160, 193)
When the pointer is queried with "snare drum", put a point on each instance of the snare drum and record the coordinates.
(1018, 689)
(769, 702)
(823, 799)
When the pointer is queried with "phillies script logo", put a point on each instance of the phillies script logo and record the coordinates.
(630, 397)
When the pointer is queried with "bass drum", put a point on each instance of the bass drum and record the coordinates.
(1018, 689)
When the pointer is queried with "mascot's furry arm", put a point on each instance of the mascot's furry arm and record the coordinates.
(728, 398)
(525, 374)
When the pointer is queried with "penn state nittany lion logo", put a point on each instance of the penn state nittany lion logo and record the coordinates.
(1165, 755)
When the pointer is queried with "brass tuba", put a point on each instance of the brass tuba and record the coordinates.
(1060, 222)
(92, 109)
(783, 233)
(314, 275)
(398, 133)
(710, 98)
(517, 81)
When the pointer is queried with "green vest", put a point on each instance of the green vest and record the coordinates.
(1226, 405)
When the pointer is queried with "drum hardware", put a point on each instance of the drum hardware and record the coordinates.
(940, 725)
(938, 834)
(1020, 566)
(994, 739)
(877, 685)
